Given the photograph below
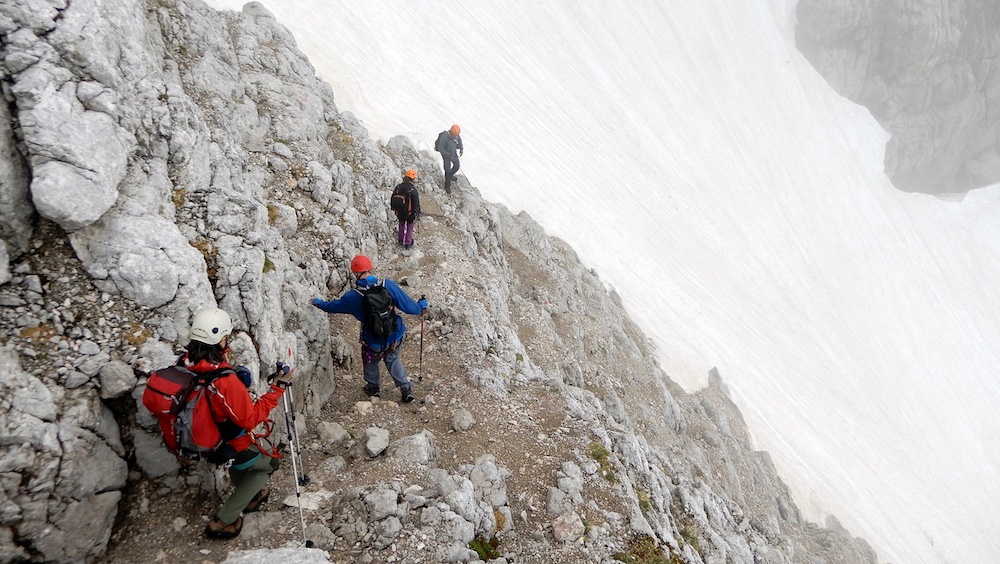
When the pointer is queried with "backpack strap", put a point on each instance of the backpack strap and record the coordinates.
(263, 443)
(227, 428)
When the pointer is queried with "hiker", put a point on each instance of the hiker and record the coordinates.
(359, 302)
(405, 201)
(237, 415)
(449, 144)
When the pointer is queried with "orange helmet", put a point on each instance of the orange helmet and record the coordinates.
(411, 174)
(455, 129)
(361, 263)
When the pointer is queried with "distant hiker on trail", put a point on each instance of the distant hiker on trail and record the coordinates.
(237, 414)
(374, 302)
(449, 144)
(405, 202)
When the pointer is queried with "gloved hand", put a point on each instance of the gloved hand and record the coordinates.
(283, 377)
(422, 302)
(316, 302)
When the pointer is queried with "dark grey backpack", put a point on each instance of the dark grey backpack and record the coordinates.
(378, 311)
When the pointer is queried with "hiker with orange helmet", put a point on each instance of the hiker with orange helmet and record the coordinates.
(449, 144)
(374, 303)
(405, 202)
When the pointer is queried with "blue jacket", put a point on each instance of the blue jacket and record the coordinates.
(351, 303)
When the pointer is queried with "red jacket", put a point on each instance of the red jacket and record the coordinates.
(231, 401)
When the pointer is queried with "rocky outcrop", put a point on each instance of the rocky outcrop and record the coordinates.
(165, 157)
(927, 72)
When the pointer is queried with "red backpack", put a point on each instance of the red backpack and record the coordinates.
(179, 400)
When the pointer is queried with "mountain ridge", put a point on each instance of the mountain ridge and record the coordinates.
(245, 186)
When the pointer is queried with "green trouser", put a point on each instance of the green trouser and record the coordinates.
(249, 473)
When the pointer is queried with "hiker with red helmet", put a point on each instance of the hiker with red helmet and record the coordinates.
(449, 144)
(405, 202)
(236, 414)
(374, 303)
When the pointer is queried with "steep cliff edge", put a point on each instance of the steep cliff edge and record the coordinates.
(927, 71)
(163, 157)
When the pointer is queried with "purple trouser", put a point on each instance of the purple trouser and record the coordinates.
(405, 235)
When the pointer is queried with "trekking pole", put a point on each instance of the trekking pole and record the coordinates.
(301, 478)
(420, 367)
(294, 440)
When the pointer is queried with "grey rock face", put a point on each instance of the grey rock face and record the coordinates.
(926, 71)
(15, 208)
(415, 449)
(376, 441)
(74, 180)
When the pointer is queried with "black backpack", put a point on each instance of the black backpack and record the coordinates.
(399, 202)
(441, 140)
(378, 312)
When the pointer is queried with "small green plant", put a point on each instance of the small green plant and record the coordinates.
(644, 551)
(519, 357)
(179, 197)
(211, 255)
(136, 334)
(268, 265)
(644, 502)
(39, 334)
(486, 549)
(602, 456)
(690, 538)
(500, 520)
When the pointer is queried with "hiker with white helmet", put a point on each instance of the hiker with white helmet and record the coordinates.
(374, 303)
(237, 414)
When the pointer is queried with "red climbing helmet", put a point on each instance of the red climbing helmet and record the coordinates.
(456, 130)
(361, 263)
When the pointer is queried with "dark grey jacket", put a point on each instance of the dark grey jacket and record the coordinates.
(450, 146)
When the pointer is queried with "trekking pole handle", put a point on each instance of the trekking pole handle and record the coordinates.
(280, 368)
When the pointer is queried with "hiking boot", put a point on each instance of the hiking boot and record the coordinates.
(371, 391)
(217, 529)
(407, 394)
(258, 500)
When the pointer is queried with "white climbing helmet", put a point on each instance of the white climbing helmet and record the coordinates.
(210, 326)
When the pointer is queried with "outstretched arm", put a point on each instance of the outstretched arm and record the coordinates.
(348, 303)
(402, 300)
